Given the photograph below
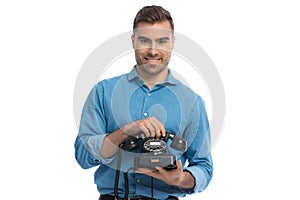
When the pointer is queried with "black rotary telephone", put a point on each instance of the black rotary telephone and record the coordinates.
(155, 153)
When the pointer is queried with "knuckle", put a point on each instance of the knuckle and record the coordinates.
(141, 124)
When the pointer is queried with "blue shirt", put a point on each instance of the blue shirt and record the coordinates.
(117, 101)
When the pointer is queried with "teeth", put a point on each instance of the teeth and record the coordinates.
(152, 59)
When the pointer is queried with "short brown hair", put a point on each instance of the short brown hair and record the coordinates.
(152, 14)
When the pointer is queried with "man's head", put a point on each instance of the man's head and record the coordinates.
(153, 14)
(153, 40)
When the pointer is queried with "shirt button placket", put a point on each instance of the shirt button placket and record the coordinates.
(145, 113)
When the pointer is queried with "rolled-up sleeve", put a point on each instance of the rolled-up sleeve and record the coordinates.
(92, 130)
(200, 163)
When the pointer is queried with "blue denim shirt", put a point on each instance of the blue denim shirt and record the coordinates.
(117, 101)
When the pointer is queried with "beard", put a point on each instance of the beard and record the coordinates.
(153, 69)
(150, 68)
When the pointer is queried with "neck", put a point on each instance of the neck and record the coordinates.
(151, 79)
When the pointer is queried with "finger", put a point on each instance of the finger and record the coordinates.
(164, 171)
(179, 165)
(158, 131)
(159, 127)
(144, 129)
(161, 170)
(148, 172)
(162, 130)
(144, 170)
(151, 128)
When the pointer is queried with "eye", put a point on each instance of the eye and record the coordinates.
(144, 41)
(162, 41)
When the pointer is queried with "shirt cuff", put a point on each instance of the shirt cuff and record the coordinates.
(200, 178)
(93, 145)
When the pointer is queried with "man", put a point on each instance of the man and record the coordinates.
(148, 102)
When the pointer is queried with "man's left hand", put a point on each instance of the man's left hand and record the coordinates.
(176, 177)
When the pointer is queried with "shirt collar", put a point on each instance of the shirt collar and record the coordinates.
(133, 76)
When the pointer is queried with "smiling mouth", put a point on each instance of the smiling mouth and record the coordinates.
(152, 60)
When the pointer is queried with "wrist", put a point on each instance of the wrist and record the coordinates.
(127, 129)
(186, 180)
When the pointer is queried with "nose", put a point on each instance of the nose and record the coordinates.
(153, 51)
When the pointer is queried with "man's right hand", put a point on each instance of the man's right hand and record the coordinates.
(151, 127)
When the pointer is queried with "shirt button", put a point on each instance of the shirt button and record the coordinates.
(148, 94)
(145, 114)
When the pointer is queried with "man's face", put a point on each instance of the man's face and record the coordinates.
(153, 44)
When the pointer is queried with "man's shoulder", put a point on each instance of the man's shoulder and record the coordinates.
(186, 89)
(111, 81)
(186, 92)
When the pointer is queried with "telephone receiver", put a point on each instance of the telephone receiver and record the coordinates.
(177, 143)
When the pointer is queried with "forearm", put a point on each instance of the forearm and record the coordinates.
(111, 142)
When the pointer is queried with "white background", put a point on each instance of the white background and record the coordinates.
(254, 45)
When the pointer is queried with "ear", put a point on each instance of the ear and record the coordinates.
(132, 40)
(173, 42)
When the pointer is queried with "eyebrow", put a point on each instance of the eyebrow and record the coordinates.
(142, 37)
(162, 38)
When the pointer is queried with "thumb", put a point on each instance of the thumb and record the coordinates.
(179, 165)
